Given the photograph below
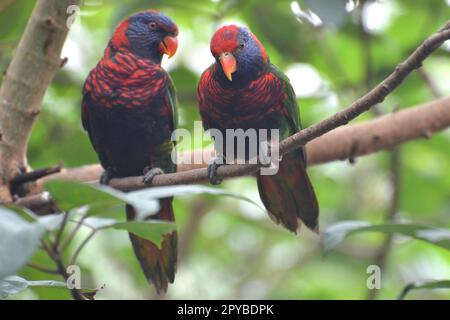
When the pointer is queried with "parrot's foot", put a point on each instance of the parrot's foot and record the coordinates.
(107, 175)
(218, 161)
(150, 173)
(264, 158)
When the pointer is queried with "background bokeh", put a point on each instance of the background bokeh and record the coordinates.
(228, 248)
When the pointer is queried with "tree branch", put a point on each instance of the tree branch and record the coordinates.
(35, 175)
(348, 142)
(344, 143)
(31, 70)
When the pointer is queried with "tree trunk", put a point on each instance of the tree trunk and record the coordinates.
(35, 62)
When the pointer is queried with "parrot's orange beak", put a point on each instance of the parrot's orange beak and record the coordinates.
(229, 65)
(169, 46)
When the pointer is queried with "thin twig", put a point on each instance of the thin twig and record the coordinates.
(198, 211)
(432, 85)
(76, 294)
(70, 237)
(35, 175)
(42, 268)
(395, 181)
(60, 232)
(46, 247)
(55, 255)
(73, 260)
(366, 43)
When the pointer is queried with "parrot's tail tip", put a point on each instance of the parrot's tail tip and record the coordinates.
(160, 289)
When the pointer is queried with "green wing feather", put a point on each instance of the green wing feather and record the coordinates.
(292, 115)
(173, 102)
(289, 195)
(161, 154)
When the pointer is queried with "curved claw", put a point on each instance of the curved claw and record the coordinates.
(150, 173)
(107, 175)
(212, 170)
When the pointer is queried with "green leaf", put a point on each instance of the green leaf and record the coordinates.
(52, 221)
(100, 199)
(103, 200)
(70, 195)
(152, 230)
(432, 284)
(18, 241)
(335, 234)
(22, 212)
(98, 223)
(181, 190)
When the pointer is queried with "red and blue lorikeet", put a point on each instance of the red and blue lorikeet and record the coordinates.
(243, 90)
(128, 109)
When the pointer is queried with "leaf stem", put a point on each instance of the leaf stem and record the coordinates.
(81, 246)
(42, 268)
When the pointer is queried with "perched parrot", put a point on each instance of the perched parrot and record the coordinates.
(129, 112)
(243, 90)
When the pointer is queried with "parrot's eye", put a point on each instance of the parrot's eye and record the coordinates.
(152, 25)
(241, 45)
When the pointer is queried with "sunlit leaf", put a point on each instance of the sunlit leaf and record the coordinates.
(152, 230)
(98, 223)
(22, 212)
(433, 284)
(18, 241)
(100, 199)
(181, 190)
(335, 234)
(52, 221)
(69, 195)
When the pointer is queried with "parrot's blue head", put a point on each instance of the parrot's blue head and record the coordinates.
(148, 34)
(240, 56)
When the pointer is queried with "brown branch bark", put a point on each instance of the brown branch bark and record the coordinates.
(31, 70)
(347, 142)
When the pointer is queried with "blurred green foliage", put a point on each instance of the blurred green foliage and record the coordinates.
(230, 249)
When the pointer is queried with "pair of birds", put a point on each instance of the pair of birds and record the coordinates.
(129, 111)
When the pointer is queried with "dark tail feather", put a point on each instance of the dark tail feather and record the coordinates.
(289, 195)
(159, 265)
